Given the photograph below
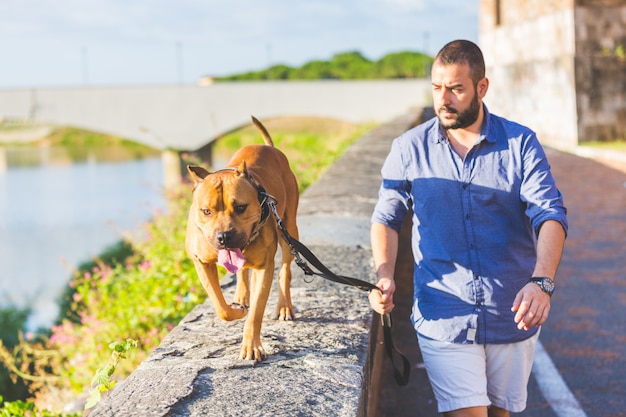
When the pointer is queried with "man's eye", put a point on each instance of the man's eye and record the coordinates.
(206, 212)
(240, 209)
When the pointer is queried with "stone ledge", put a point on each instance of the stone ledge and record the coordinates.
(314, 366)
(317, 364)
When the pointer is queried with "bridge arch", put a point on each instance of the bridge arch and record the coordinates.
(187, 118)
(179, 119)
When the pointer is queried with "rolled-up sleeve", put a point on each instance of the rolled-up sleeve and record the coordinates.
(394, 193)
(538, 191)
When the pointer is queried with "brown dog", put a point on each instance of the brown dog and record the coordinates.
(229, 224)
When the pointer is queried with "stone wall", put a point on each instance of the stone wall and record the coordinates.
(601, 69)
(557, 66)
(530, 66)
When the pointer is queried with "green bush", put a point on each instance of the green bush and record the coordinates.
(142, 298)
(117, 253)
(27, 409)
(12, 321)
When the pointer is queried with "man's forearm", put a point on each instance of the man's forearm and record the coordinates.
(549, 249)
(384, 242)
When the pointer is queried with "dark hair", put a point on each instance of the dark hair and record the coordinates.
(463, 52)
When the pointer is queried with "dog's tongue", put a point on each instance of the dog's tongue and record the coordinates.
(231, 259)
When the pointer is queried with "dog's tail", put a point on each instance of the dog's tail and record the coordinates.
(266, 136)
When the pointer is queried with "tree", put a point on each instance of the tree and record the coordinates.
(351, 65)
(404, 65)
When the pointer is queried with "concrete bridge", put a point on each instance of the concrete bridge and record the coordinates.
(189, 118)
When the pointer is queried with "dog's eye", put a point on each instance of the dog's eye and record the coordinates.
(240, 209)
(206, 211)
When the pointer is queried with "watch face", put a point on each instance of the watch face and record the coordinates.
(546, 284)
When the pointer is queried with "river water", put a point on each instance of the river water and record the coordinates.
(60, 207)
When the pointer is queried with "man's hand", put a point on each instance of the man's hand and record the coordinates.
(532, 306)
(383, 303)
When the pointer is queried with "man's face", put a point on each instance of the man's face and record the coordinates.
(456, 101)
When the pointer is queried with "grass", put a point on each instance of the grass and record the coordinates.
(617, 145)
(79, 144)
(311, 144)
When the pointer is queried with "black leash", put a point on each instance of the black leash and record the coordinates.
(297, 248)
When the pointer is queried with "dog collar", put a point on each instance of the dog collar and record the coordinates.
(263, 197)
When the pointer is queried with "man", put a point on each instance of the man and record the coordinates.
(488, 231)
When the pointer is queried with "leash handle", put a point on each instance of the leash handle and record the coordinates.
(402, 378)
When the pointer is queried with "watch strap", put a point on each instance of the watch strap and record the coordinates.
(546, 284)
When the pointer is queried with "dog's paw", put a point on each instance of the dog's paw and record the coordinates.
(240, 306)
(232, 312)
(239, 310)
(286, 313)
(252, 351)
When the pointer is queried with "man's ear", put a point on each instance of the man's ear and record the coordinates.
(482, 87)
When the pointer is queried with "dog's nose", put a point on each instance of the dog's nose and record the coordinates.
(224, 238)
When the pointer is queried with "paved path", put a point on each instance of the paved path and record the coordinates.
(585, 337)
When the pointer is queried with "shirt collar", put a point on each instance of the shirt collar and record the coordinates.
(485, 131)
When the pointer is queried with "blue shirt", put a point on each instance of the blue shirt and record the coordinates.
(474, 225)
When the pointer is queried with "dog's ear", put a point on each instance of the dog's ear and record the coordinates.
(197, 173)
(242, 169)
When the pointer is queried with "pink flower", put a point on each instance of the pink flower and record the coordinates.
(63, 334)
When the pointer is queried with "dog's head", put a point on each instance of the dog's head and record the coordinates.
(225, 206)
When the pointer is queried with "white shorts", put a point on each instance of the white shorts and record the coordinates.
(475, 375)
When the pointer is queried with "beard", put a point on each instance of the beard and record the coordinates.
(464, 118)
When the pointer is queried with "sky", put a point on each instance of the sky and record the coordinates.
(59, 43)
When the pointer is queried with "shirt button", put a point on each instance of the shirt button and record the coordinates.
(467, 217)
(465, 185)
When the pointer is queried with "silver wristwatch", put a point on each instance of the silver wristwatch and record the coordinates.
(545, 283)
